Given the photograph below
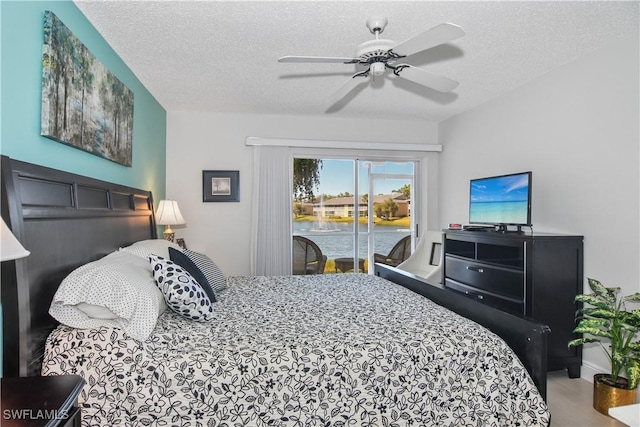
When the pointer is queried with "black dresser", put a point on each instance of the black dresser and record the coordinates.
(534, 276)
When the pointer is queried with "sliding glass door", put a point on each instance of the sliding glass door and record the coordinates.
(391, 223)
(356, 212)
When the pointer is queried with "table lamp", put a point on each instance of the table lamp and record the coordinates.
(10, 247)
(168, 214)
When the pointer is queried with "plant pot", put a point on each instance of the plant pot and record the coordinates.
(607, 396)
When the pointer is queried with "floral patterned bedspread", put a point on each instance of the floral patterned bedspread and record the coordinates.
(328, 350)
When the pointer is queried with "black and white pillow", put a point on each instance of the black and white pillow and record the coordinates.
(182, 293)
(185, 262)
(216, 279)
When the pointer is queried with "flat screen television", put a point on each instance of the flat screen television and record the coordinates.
(501, 200)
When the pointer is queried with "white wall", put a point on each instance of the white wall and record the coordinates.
(577, 129)
(212, 141)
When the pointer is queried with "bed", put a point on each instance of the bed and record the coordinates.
(349, 349)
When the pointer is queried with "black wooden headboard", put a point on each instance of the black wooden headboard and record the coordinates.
(64, 220)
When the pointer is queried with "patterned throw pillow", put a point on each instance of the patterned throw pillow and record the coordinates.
(183, 261)
(182, 293)
(216, 279)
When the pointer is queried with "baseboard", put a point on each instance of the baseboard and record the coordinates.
(588, 370)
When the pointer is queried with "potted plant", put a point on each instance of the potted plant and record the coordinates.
(605, 316)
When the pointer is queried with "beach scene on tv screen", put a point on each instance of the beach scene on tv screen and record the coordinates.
(499, 200)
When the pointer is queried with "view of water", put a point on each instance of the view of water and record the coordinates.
(336, 239)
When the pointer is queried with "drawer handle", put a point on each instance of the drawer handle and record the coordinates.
(476, 269)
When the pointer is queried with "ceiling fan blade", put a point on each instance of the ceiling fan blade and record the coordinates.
(424, 78)
(318, 59)
(440, 34)
(350, 85)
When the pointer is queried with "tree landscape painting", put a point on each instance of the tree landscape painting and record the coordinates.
(83, 104)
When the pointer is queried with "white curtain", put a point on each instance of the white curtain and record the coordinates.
(271, 241)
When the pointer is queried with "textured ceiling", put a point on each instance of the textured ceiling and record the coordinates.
(222, 56)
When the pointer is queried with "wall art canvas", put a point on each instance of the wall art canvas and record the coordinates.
(83, 104)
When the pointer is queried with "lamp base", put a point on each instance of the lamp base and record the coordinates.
(169, 235)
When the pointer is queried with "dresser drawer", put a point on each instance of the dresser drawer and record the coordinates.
(502, 303)
(497, 280)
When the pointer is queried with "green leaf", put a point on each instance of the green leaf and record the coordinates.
(633, 298)
(593, 323)
(594, 301)
(630, 328)
(633, 373)
(631, 318)
(613, 293)
(581, 329)
(635, 346)
(617, 358)
(602, 313)
(593, 331)
(580, 341)
(599, 289)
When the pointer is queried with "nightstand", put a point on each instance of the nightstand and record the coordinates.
(40, 401)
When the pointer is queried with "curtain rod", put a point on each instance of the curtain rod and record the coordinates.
(320, 143)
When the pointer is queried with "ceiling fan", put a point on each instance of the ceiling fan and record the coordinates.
(378, 55)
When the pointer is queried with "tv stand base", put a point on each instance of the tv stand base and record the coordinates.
(503, 228)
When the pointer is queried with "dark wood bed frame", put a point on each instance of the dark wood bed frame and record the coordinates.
(527, 338)
(67, 220)
(64, 220)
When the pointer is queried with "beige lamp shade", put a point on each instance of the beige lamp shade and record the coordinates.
(10, 247)
(168, 214)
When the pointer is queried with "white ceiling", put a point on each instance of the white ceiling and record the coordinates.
(222, 56)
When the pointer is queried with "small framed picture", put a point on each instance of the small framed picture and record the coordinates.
(220, 186)
(181, 243)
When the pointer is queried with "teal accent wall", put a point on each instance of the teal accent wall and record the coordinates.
(21, 90)
(21, 40)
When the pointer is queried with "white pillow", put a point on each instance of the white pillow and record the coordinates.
(96, 311)
(120, 283)
(145, 248)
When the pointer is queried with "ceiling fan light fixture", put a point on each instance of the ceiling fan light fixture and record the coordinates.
(377, 68)
(379, 54)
